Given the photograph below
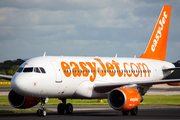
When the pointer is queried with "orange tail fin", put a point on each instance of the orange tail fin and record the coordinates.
(156, 48)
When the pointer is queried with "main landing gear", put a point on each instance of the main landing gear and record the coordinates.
(133, 111)
(42, 111)
(62, 107)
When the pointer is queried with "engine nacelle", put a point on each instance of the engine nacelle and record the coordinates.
(174, 84)
(124, 99)
(19, 101)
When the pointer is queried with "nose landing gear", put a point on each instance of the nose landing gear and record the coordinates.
(42, 111)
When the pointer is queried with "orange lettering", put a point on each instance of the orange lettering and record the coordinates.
(128, 74)
(65, 66)
(102, 73)
(93, 68)
(136, 75)
(76, 71)
(109, 68)
(117, 67)
(144, 70)
(85, 72)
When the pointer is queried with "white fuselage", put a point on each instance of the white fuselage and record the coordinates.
(74, 77)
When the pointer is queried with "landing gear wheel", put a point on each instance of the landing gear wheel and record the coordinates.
(134, 111)
(69, 108)
(43, 112)
(61, 108)
(125, 112)
(39, 112)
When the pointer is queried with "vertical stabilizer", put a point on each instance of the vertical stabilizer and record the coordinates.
(156, 48)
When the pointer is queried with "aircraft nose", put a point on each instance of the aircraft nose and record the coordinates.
(19, 84)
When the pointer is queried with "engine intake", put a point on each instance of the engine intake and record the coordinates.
(19, 101)
(124, 99)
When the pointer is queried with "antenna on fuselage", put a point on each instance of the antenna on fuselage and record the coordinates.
(116, 55)
(44, 54)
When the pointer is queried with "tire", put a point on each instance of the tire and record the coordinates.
(43, 112)
(134, 111)
(125, 112)
(39, 113)
(61, 108)
(69, 108)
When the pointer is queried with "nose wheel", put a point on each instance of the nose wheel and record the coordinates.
(62, 107)
(42, 111)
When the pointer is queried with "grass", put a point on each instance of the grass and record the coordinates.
(54, 101)
(172, 100)
(4, 85)
(148, 100)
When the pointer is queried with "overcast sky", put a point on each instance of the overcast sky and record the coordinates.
(28, 28)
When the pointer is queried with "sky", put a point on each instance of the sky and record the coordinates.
(28, 28)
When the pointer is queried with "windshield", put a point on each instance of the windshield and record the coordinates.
(30, 69)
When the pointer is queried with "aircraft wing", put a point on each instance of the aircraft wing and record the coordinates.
(6, 77)
(107, 87)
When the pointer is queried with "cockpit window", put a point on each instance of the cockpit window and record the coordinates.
(42, 70)
(28, 69)
(36, 69)
(20, 69)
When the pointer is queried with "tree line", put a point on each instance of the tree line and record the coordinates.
(9, 67)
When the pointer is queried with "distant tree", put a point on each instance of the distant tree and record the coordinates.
(18, 62)
(2, 72)
(11, 72)
(9, 67)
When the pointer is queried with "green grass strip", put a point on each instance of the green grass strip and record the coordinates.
(5, 85)
(148, 100)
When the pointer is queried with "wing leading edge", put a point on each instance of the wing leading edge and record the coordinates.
(107, 87)
(6, 77)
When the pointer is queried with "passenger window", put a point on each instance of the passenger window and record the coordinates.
(36, 69)
(42, 70)
(30, 69)
(20, 69)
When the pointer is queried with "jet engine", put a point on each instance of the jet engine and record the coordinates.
(124, 99)
(174, 84)
(19, 101)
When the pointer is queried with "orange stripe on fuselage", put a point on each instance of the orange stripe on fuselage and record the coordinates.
(89, 69)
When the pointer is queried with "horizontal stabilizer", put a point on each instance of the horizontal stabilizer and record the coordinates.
(169, 69)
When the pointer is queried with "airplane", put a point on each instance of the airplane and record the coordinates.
(72, 77)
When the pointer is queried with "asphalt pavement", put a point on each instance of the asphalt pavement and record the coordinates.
(100, 113)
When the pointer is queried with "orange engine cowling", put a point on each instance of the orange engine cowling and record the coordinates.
(174, 84)
(19, 101)
(124, 99)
